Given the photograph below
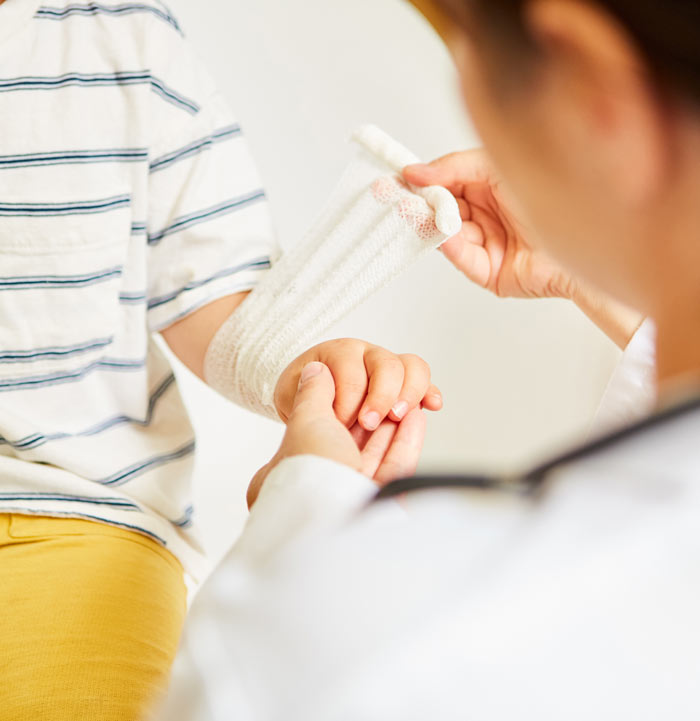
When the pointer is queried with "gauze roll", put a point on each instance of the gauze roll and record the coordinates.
(373, 227)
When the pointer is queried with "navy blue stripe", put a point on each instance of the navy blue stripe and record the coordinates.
(258, 264)
(188, 310)
(132, 298)
(38, 439)
(73, 157)
(24, 496)
(52, 82)
(26, 356)
(141, 77)
(198, 146)
(170, 95)
(87, 207)
(30, 282)
(138, 228)
(137, 469)
(203, 216)
(52, 379)
(186, 519)
(91, 9)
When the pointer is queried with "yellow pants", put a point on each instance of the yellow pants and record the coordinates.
(90, 618)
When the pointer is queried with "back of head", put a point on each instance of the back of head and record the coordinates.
(667, 32)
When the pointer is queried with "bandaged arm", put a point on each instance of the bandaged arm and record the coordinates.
(372, 229)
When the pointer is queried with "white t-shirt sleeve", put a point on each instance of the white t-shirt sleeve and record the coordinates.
(209, 230)
(631, 393)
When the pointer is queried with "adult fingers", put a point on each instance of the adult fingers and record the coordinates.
(451, 171)
(468, 256)
(316, 392)
(376, 446)
(402, 456)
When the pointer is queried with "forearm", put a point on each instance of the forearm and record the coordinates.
(338, 265)
(190, 337)
(617, 321)
(335, 267)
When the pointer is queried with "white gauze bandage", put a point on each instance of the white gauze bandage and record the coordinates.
(373, 227)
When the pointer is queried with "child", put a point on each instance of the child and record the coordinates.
(130, 206)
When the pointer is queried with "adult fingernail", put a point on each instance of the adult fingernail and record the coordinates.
(400, 409)
(371, 420)
(310, 371)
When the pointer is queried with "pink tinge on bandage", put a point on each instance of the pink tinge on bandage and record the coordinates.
(411, 208)
(387, 189)
(413, 211)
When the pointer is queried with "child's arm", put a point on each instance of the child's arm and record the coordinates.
(373, 228)
(190, 337)
(372, 383)
(209, 241)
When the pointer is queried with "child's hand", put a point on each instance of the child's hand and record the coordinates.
(387, 454)
(372, 383)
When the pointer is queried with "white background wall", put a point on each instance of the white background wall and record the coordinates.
(520, 378)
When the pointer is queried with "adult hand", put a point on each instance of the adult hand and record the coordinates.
(391, 451)
(494, 249)
(497, 251)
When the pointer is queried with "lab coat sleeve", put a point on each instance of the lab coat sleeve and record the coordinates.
(235, 633)
(631, 392)
(302, 495)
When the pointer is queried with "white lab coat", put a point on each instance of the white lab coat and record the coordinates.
(479, 605)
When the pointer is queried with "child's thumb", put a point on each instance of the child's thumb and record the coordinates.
(316, 391)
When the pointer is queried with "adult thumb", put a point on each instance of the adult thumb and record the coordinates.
(316, 391)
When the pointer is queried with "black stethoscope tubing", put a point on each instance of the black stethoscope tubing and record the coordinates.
(530, 484)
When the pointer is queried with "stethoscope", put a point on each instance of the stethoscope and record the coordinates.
(531, 485)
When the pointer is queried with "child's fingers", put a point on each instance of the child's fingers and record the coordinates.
(416, 382)
(351, 384)
(386, 377)
(433, 399)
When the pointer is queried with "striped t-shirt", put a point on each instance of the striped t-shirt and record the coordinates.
(128, 199)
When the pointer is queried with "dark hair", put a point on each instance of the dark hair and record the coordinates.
(666, 31)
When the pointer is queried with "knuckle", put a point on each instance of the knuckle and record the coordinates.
(351, 386)
(387, 362)
(381, 400)
(413, 392)
(415, 362)
(349, 374)
(347, 346)
(452, 159)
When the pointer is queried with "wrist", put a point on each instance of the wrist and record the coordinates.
(568, 288)
(617, 320)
